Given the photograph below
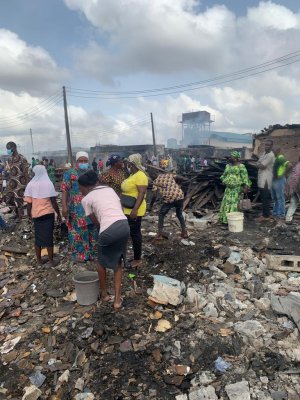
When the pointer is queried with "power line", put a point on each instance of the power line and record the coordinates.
(131, 124)
(182, 91)
(111, 132)
(29, 117)
(221, 79)
(34, 109)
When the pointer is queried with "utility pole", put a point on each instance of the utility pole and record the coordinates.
(32, 148)
(153, 135)
(69, 147)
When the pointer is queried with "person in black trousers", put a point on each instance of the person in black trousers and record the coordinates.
(172, 196)
(134, 189)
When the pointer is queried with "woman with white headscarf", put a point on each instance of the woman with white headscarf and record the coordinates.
(81, 231)
(40, 196)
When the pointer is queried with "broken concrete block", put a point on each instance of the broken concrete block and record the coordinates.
(167, 290)
(203, 378)
(288, 305)
(204, 393)
(195, 296)
(252, 328)
(211, 311)
(235, 257)
(197, 223)
(84, 396)
(238, 391)
(256, 288)
(181, 397)
(31, 393)
(262, 304)
(283, 263)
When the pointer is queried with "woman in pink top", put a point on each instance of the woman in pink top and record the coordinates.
(40, 196)
(103, 206)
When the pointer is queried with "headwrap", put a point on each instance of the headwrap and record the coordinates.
(136, 159)
(113, 159)
(235, 154)
(40, 186)
(81, 154)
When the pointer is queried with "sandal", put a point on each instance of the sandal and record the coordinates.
(109, 299)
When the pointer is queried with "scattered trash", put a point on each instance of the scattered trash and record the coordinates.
(70, 297)
(234, 307)
(221, 365)
(163, 325)
(9, 345)
(31, 393)
(87, 333)
(37, 379)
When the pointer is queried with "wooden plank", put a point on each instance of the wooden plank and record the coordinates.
(194, 191)
(16, 250)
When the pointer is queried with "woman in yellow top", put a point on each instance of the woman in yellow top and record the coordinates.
(135, 186)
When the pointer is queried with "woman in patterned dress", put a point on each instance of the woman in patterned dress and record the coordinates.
(81, 231)
(115, 175)
(18, 179)
(236, 180)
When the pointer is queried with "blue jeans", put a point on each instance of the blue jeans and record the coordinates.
(2, 223)
(278, 187)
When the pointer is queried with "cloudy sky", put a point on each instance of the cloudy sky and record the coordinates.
(110, 54)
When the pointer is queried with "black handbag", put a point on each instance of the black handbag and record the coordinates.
(127, 201)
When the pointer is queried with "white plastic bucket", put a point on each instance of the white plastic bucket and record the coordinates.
(86, 287)
(235, 221)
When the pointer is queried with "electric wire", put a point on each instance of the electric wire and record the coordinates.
(181, 91)
(282, 59)
(42, 104)
(29, 117)
(110, 132)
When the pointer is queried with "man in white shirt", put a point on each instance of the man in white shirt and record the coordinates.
(264, 179)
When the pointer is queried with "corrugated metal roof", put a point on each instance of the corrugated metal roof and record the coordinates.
(232, 137)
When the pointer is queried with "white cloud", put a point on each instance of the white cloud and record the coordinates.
(275, 16)
(25, 68)
(158, 36)
(168, 37)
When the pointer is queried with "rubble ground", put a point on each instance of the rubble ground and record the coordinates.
(226, 340)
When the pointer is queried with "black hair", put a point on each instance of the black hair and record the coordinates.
(90, 178)
(11, 145)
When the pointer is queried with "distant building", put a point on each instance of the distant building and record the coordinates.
(228, 140)
(172, 143)
(195, 127)
(286, 137)
(146, 150)
(59, 156)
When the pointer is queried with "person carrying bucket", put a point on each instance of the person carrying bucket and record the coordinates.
(236, 180)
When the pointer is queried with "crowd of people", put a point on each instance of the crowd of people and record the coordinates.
(277, 180)
(102, 210)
